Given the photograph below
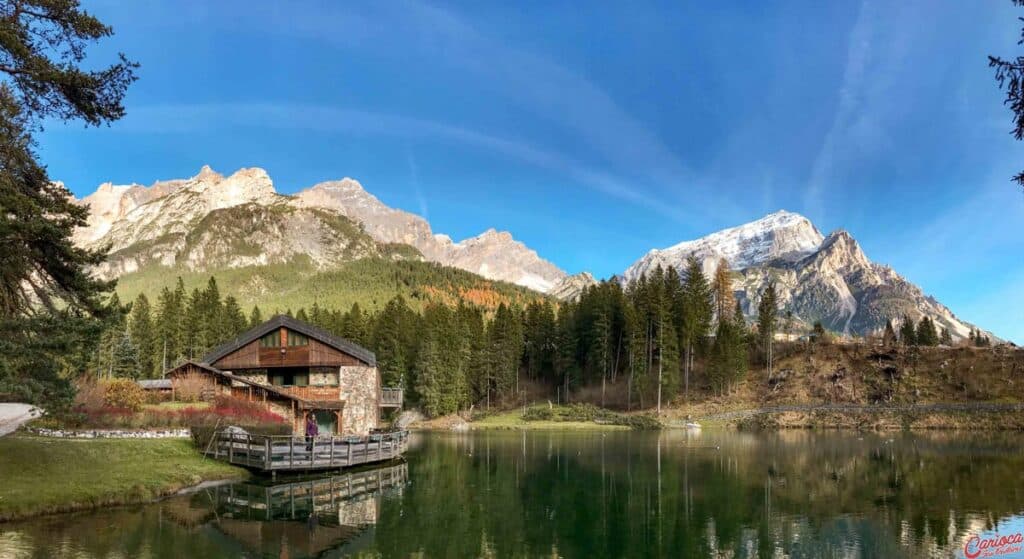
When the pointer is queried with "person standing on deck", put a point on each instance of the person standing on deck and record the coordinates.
(312, 430)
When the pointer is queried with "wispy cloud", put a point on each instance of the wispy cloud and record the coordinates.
(622, 145)
(244, 116)
(848, 113)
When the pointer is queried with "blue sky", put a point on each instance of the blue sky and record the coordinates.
(596, 133)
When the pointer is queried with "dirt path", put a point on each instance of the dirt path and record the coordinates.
(854, 408)
(13, 415)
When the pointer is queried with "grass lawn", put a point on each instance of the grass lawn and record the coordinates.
(40, 475)
(514, 420)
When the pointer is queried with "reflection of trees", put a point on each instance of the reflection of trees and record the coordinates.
(301, 518)
(609, 495)
(592, 495)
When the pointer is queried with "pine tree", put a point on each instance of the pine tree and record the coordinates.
(51, 306)
(234, 320)
(908, 334)
(391, 342)
(143, 337)
(818, 333)
(167, 330)
(925, 334)
(125, 360)
(889, 336)
(738, 349)
(947, 338)
(353, 324)
(255, 317)
(697, 312)
(767, 310)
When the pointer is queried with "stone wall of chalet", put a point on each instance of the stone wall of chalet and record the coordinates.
(360, 388)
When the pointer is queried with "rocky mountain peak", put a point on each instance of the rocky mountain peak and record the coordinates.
(243, 186)
(491, 237)
(781, 235)
(133, 216)
(571, 287)
(207, 174)
(826, 279)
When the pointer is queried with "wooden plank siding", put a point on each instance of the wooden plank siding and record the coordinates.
(315, 354)
(313, 393)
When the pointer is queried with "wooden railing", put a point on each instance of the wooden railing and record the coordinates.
(391, 397)
(313, 393)
(286, 452)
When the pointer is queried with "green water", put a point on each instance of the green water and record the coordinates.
(616, 494)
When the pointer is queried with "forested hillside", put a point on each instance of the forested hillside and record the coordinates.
(454, 340)
(370, 282)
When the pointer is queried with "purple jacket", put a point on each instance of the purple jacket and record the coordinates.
(312, 429)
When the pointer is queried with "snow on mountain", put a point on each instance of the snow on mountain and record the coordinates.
(781, 235)
(827, 279)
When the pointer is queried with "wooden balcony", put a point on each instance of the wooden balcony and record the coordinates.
(390, 397)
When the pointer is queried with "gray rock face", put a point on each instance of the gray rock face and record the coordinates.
(817, 278)
(571, 287)
(210, 221)
(492, 254)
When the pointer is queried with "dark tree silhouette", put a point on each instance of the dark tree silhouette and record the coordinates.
(1010, 75)
(49, 302)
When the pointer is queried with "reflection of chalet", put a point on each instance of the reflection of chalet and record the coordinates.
(296, 369)
(306, 518)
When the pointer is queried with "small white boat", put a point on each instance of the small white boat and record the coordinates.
(692, 425)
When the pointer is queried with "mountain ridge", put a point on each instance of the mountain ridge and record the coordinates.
(211, 221)
(158, 219)
(818, 278)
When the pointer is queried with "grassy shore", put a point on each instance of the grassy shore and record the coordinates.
(43, 475)
(514, 420)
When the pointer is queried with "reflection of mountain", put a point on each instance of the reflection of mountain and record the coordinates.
(302, 518)
(792, 494)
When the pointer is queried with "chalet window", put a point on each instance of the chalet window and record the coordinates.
(297, 339)
(272, 339)
(289, 379)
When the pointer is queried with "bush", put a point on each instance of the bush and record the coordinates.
(124, 394)
(189, 388)
(589, 412)
(201, 434)
(538, 413)
(90, 395)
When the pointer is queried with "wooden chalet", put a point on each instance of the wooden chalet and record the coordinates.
(296, 369)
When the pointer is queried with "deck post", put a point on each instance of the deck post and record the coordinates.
(268, 457)
(231, 448)
(291, 451)
(348, 461)
(331, 461)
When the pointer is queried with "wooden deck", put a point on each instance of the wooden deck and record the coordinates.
(289, 453)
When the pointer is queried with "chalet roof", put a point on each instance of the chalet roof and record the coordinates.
(277, 321)
(271, 390)
(155, 384)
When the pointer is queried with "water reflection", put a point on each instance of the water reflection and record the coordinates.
(293, 519)
(620, 494)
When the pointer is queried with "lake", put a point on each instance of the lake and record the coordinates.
(590, 494)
